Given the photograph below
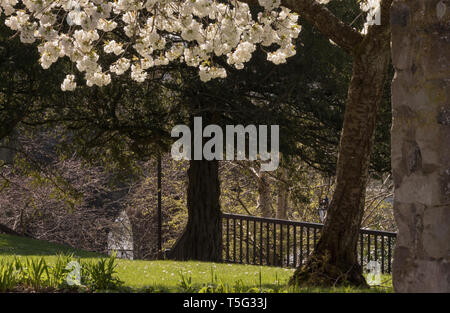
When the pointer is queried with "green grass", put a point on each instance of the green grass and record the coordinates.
(167, 276)
(164, 276)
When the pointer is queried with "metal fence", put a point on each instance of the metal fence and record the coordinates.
(121, 253)
(269, 241)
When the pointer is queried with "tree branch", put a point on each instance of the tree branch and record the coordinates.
(324, 20)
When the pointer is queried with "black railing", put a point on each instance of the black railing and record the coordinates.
(121, 253)
(269, 241)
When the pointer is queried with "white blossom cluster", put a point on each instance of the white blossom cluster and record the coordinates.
(373, 9)
(137, 35)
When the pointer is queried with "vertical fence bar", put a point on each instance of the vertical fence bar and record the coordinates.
(315, 237)
(261, 243)
(159, 204)
(382, 254)
(389, 255)
(268, 244)
(255, 235)
(376, 247)
(228, 239)
(368, 248)
(247, 231)
(234, 239)
(280, 261)
(361, 245)
(301, 245)
(307, 242)
(241, 234)
(295, 246)
(288, 247)
(274, 243)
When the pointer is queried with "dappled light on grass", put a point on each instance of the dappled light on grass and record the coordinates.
(166, 276)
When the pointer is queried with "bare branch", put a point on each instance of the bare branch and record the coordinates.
(345, 36)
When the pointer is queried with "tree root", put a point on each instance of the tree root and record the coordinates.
(319, 272)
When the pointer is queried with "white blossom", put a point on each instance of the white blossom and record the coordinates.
(373, 9)
(113, 47)
(153, 33)
(69, 83)
(120, 66)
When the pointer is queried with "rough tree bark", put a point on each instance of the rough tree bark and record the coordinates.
(265, 197)
(202, 237)
(264, 192)
(283, 196)
(421, 144)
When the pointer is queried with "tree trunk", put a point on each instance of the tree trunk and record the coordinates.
(421, 145)
(202, 237)
(283, 196)
(265, 197)
(334, 260)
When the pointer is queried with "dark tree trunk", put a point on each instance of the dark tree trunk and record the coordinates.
(334, 260)
(202, 237)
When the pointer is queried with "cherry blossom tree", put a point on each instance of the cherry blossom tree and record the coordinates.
(143, 34)
(105, 38)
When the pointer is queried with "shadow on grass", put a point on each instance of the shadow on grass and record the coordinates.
(22, 246)
(266, 288)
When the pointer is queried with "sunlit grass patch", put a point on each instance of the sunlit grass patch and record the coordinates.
(172, 276)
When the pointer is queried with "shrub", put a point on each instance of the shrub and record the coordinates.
(101, 275)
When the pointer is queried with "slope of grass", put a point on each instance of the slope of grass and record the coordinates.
(22, 246)
(172, 276)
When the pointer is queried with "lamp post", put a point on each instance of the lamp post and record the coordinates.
(159, 176)
(322, 209)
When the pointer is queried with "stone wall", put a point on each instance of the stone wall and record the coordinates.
(421, 144)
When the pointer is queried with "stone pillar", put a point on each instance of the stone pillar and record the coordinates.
(421, 144)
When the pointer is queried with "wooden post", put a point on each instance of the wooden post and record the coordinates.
(159, 204)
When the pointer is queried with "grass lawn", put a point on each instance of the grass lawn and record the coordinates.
(172, 276)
